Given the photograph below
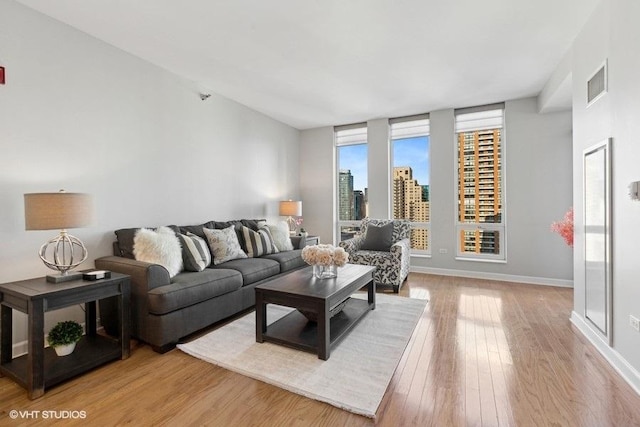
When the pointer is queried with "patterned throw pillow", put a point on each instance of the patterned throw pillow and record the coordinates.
(159, 247)
(280, 234)
(195, 252)
(257, 243)
(224, 244)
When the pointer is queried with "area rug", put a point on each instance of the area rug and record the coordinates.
(354, 378)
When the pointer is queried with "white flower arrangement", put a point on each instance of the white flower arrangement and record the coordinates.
(325, 255)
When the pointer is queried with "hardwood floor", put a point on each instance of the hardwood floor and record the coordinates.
(484, 353)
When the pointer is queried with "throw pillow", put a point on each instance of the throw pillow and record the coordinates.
(195, 252)
(161, 246)
(224, 244)
(257, 243)
(280, 234)
(378, 238)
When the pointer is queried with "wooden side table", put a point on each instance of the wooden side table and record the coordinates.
(313, 240)
(41, 368)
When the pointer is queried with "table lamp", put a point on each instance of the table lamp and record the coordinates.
(290, 208)
(53, 211)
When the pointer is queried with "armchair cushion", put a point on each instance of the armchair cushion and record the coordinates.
(378, 238)
(401, 228)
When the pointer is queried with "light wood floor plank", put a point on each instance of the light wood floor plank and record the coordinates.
(484, 353)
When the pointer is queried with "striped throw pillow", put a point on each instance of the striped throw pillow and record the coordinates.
(257, 243)
(195, 252)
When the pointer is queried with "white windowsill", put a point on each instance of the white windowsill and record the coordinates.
(420, 256)
(492, 261)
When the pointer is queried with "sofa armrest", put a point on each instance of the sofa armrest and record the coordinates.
(298, 242)
(144, 276)
(352, 245)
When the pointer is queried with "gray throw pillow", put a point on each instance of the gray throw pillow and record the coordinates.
(378, 238)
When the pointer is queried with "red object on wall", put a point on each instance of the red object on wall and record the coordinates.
(1, 75)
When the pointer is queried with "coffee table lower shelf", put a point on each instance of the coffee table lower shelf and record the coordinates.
(296, 331)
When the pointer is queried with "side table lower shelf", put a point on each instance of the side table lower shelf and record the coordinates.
(90, 352)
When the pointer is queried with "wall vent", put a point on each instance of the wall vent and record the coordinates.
(597, 85)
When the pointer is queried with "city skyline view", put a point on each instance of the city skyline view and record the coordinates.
(410, 152)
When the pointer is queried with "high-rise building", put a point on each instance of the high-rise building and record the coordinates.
(345, 195)
(359, 205)
(480, 190)
(425, 192)
(411, 201)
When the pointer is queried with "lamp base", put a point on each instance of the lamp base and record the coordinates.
(59, 278)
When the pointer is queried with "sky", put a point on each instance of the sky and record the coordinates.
(413, 152)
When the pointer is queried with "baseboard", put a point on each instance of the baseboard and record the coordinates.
(619, 363)
(495, 276)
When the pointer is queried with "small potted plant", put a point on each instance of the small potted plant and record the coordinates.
(303, 233)
(64, 336)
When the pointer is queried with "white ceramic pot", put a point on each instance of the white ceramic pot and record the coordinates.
(65, 350)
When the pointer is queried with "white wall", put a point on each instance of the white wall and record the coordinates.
(538, 191)
(81, 115)
(611, 33)
(317, 178)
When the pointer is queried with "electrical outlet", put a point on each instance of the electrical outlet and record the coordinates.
(443, 251)
(634, 322)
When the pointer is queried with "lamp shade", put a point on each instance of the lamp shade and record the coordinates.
(56, 211)
(290, 208)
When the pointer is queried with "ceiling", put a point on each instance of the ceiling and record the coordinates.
(312, 63)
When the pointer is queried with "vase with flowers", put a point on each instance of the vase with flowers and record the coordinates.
(325, 260)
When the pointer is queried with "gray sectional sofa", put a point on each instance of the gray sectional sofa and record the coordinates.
(164, 309)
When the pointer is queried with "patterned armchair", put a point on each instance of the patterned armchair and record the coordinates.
(393, 265)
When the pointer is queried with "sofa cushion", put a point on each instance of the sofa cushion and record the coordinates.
(189, 288)
(224, 245)
(253, 269)
(197, 229)
(288, 260)
(257, 243)
(160, 246)
(253, 224)
(195, 252)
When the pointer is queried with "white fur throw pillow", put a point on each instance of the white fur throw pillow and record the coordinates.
(159, 247)
(280, 234)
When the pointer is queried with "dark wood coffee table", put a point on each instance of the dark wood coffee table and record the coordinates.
(301, 290)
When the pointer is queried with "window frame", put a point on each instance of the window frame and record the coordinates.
(415, 225)
(501, 227)
(339, 224)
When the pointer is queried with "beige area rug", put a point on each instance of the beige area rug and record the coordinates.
(354, 378)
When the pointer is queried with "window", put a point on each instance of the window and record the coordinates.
(480, 221)
(351, 165)
(410, 177)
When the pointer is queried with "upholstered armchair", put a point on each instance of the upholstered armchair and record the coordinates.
(385, 245)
